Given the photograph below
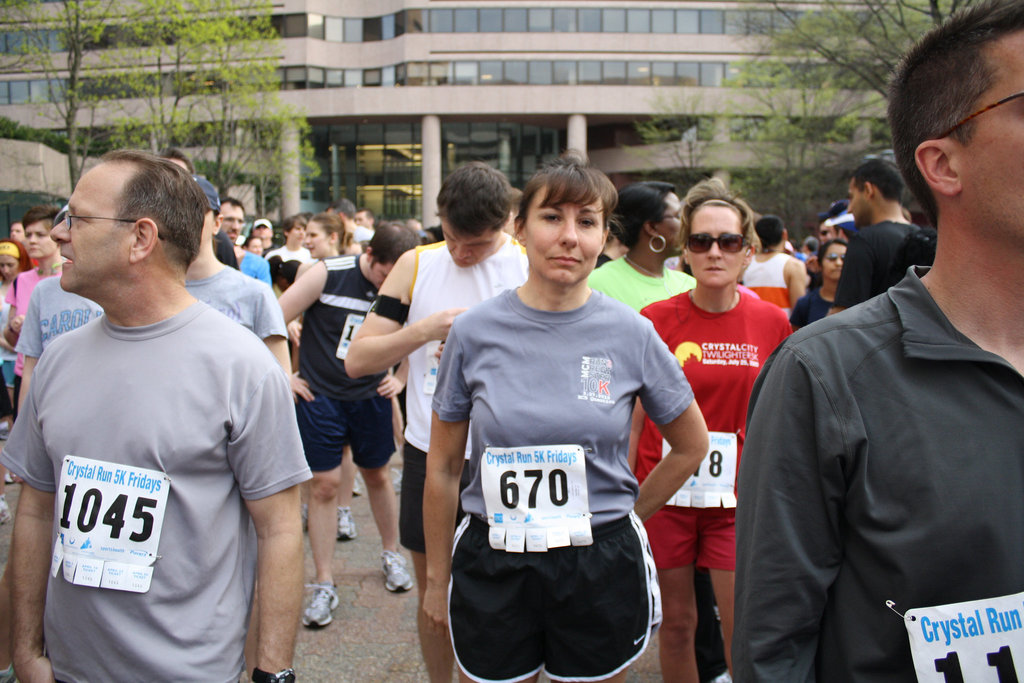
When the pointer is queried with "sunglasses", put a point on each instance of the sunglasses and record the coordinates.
(835, 257)
(729, 242)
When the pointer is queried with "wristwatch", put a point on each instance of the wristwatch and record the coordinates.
(282, 676)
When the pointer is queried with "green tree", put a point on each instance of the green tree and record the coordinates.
(54, 41)
(209, 84)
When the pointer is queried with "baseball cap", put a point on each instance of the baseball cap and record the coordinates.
(262, 223)
(838, 207)
(843, 221)
(210, 191)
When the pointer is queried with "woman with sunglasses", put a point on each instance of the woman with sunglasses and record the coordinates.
(816, 303)
(551, 569)
(648, 225)
(721, 337)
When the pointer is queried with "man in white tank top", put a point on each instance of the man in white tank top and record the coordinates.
(411, 317)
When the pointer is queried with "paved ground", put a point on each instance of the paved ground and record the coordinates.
(373, 636)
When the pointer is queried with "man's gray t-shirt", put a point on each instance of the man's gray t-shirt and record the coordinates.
(221, 428)
(52, 312)
(526, 377)
(243, 299)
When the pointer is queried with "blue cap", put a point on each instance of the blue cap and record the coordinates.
(210, 191)
(839, 206)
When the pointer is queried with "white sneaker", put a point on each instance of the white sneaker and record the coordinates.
(323, 601)
(5, 512)
(346, 524)
(396, 576)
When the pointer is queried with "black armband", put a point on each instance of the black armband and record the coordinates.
(391, 308)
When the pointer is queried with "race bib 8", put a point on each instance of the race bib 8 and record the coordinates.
(110, 519)
(536, 497)
(433, 363)
(711, 486)
(352, 323)
(981, 640)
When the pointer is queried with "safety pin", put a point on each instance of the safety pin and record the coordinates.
(892, 605)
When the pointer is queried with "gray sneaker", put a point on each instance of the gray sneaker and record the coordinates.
(323, 601)
(396, 576)
(346, 525)
(7, 675)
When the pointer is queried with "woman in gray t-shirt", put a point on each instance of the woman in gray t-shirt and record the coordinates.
(551, 568)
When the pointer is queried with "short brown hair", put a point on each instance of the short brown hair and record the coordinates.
(474, 199)
(166, 194)
(570, 179)
(713, 192)
(940, 81)
(46, 214)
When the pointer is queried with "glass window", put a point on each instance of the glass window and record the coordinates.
(39, 91)
(416, 73)
(353, 78)
(441, 21)
(333, 29)
(387, 27)
(315, 77)
(335, 78)
(371, 29)
(295, 78)
(295, 26)
(465, 73)
(565, 20)
(687, 21)
(465, 21)
(638, 21)
(5, 93)
(614, 73)
(413, 20)
(515, 21)
(639, 73)
(613, 20)
(687, 73)
(316, 25)
(440, 73)
(540, 20)
(353, 30)
(564, 73)
(490, 73)
(490, 21)
(712, 21)
(400, 74)
(387, 76)
(589, 20)
(371, 77)
(515, 72)
(19, 92)
(662, 21)
(540, 73)
(589, 73)
(663, 73)
(712, 73)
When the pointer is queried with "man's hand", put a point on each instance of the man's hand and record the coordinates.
(437, 325)
(35, 670)
(300, 388)
(295, 331)
(435, 606)
(390, 386)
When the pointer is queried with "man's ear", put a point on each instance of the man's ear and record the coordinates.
(937, 160)
(145, 236)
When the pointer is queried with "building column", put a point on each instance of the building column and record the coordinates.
(430, 141)
(576, 135)
(290, 165)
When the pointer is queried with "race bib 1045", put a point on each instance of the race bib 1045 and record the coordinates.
(981, 640)
(110, 518)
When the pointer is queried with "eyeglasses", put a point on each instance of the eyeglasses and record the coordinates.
(981, 111)
(729, 242)
(65, 216)
(835, 257)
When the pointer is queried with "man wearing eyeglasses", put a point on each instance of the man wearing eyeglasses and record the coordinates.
(880, 535)
(148, 458)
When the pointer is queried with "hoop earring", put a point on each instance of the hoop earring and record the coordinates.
(664, 243)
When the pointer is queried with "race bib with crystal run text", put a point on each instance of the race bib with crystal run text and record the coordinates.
(536, 497)
(109, 522)
(711, 486)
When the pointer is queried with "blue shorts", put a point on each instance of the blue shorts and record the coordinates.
(8, 369)
(327, 425)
